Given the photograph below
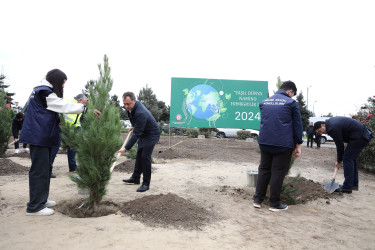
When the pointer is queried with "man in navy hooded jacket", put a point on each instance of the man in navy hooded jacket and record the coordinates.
(346, 130)
(280, 136)
(146, 131)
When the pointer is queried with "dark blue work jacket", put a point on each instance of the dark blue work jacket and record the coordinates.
(40, 126)
(277, 127)
(146, 129)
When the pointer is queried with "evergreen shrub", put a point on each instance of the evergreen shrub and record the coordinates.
(192, 133)
(5, 123)
(243, 134)
(366, 115)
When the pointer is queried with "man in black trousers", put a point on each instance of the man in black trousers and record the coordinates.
(280, 136)
(346, 130)
(310, 134)
(146, 131)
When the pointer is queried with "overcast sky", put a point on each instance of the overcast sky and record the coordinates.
(326, 46)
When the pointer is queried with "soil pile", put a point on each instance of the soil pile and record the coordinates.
(305, 190)
(167, 210)
(126, 166)
(8, 167)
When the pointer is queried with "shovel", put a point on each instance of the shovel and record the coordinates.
(332, 186)
(161, 151)
(123, 145)
(16, 140)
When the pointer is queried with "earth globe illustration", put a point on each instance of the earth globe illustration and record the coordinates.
(203, 101)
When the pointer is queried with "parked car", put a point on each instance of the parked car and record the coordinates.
(125, 124)
(324, 138)
(232, 133)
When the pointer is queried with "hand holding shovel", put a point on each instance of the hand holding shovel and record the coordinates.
(123, 145)
(16, 140)
(332, 186)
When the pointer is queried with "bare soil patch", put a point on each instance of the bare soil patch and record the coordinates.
(21, 155)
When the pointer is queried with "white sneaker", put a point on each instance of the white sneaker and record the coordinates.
(44, 212)
(27, 150)
(50, 203)
(17, 151)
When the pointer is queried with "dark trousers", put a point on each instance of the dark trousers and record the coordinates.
(318, 141)
(143, 164)
(17, 144)
(310, 138)
(54, 152)
(351, 154)
(272, 169)
(72, 159)
(39, 177)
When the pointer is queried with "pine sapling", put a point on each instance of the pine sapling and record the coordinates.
(98, 140)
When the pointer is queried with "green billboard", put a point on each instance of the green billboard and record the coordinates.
(216, 103)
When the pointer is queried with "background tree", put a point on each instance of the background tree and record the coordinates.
(148, 98)
(165, 111)
(86, 90)
(366, 115)
(5, 123)
(98, 140)
(328, 115)
(118, 103)
(3, 86)
(305, 113)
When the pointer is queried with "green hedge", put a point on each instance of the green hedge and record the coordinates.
(192, 133)
(242, 135)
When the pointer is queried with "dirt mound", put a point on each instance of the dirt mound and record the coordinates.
(75, 209)
(126, 166)
(21, 155)
(306, 190)
(8, 167)
(167, 210)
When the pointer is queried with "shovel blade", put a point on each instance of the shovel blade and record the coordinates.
(331, 186)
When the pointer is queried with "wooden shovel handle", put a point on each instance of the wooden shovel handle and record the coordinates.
(119, 154)
(174, 145)
(16, 140)
(334, 173)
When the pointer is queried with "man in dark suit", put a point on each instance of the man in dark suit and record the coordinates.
(146, 131)
(310, 134)
(346, 130)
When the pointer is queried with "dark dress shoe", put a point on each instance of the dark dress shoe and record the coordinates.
(143, 188)
(343, 190)
(52, 176)
(132, 180)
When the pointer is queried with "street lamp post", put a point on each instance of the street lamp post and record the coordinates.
(308, 96)
(314, 108)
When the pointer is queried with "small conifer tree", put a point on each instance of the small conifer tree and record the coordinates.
(5, 123)
(98, 140)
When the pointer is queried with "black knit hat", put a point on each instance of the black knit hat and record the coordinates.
(56, 77)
